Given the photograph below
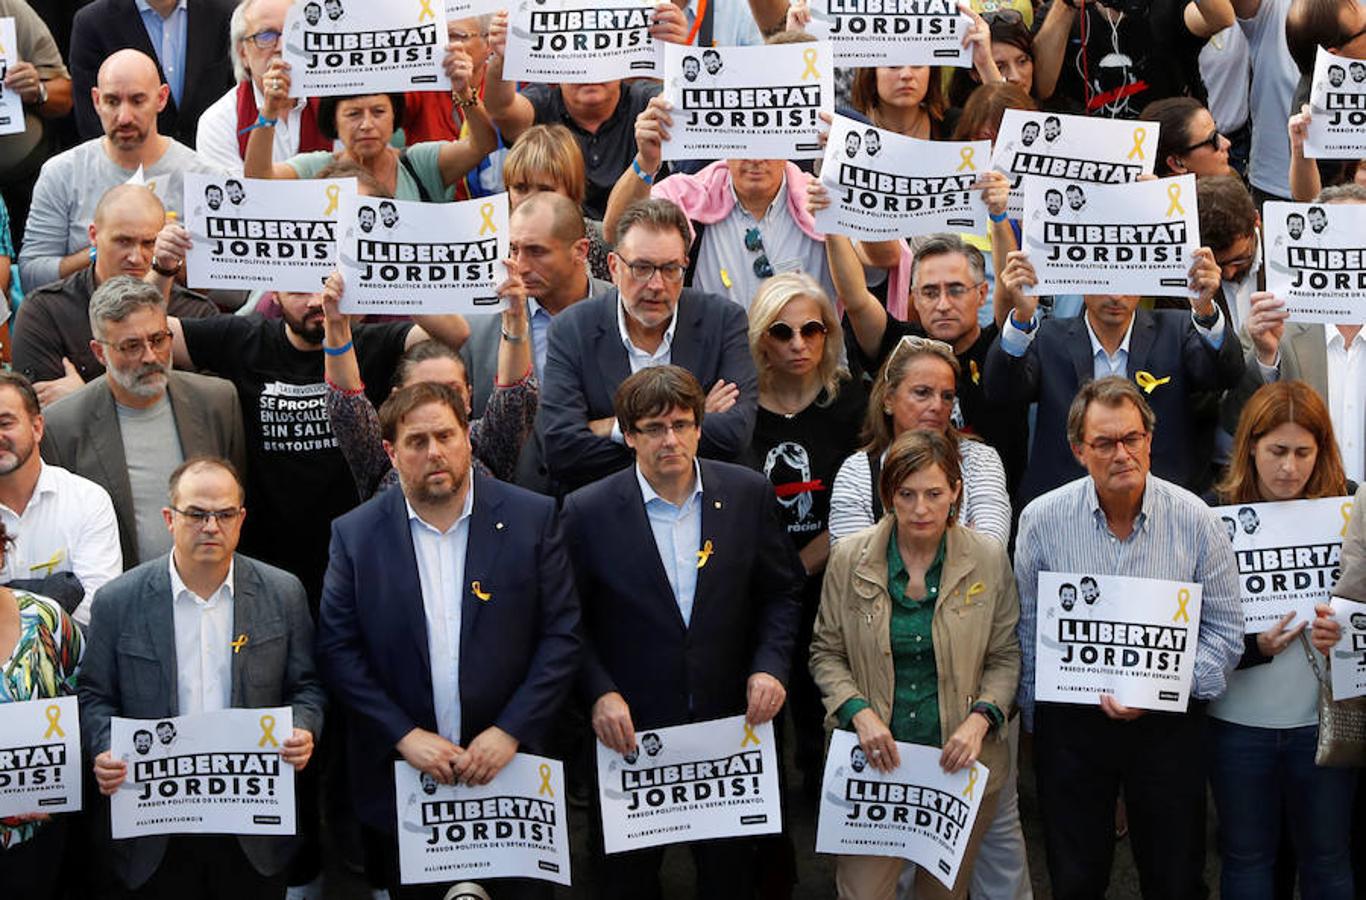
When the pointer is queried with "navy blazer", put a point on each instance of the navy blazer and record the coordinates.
(745, 609)
(586, 363)
(518, 647)
(1164, 343)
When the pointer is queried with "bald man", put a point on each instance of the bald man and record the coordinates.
(128, 97)
(52, 331)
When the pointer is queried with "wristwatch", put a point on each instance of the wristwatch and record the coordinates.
(42, 92)
(168, 273)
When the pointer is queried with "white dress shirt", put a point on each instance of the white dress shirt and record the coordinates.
(441, 573)
(216, 135)
(1103, 364)
(1347, 398)
(203, 644)
(642, 359)
(678, 538)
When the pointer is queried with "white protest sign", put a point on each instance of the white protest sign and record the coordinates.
(212, 773)
(866, 33)
(874, 196)
(688, 783)
(1132, 638)
(581, 41)
(512, 827)
(1111, 239)
(1315, 260)
(1288, 556)
(11, 104)
(1032, 145)
(412, 258)
(747, 102)
(362, 47)
(40, 757)
(466, 9)
(1337, 102)
(273, 235)
(916, 811)
(1348, 666)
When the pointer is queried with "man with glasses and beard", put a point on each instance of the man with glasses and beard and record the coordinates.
(130, 428)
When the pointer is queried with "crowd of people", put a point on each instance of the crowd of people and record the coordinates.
(705, 461)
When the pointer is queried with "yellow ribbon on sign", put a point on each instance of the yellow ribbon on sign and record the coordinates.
(545, 781)
(426, 10)
(1139, 135)
(476, 589)
(51, 565)
(809, 55)
(486, 211)
(333, 197)
(1148, 383)
(1346, 511)
(965, 154)
(1174, 195)
(749, 736)
(972, 782)
(238, 644)
(704, 554)
(54, 716)
(268, 732)
(1183, 597)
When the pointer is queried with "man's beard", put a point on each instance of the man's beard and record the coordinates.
(147, 381)
(7, 448)
(313, 334)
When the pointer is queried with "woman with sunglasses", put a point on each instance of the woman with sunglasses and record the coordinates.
(1188, 141)
(807, 423)
(1264, 729)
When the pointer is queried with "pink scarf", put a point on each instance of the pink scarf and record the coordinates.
(707, 196)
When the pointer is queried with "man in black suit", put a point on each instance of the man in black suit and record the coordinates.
(449, 621)
(205, 56)
(1174, 356)
(690, 593)
(649, 320)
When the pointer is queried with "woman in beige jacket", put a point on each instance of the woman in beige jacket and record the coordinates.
(915, 642)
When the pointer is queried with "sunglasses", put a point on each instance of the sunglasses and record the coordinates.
(782, 332)
(1211, 142)
(754, 243)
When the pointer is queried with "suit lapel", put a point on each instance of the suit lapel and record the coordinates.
(107, 439)
(685, 349)
(1079, 343)
(613, 363)
(244, 622)
(483, 548)
(716, 535)
(1141, 344)
(638, 522)
(1309, 345)
(159, 623)
(189, 422)
(199, 49)
(406, 586)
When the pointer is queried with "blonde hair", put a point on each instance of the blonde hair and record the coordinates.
(770, 300)
(547, 150)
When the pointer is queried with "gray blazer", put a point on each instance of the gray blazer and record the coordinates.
(1304, 357)
(130, 670)
(82, 435)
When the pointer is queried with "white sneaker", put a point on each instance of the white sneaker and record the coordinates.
(311, 891)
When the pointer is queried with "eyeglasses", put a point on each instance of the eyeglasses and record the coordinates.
(913, 343)
(782, 332)
(1211, 142)
(643, 271)
(1107, 446)
(754, 243)
(136, 346)
(956, 290)
(1004, 16)
(265, 39)
(201, 517)
(656, 430)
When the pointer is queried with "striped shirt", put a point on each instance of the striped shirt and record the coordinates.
(1175, 537)
(985, 505)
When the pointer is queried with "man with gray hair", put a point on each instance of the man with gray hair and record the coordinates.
(129, 429)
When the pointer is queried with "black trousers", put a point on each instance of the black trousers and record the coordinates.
(32, 869)
(725, 871)
(381, 851)
(210, 866)
(1083, 759)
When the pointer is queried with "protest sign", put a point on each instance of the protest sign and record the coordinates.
(916, 811)
(512, 827)
(212, 773)
(747, 102)
(1348, 665)
(1132, 638)
(873, 199)
(272, 235)
(338, 47)
(11, 104)
(1315, 260)
(1031, 145)
(688, 783)
(465, 9)
(581, 41)
(866, 33)
(1112, 239)
(413, 258)
(40, 757)
(1288, 556)
(1337, 105)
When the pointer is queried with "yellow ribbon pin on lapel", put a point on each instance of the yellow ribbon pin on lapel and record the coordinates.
(238, 644)
(479, 592)
(977, 588)
(704, 554)
(51, 564)
(1148, 383)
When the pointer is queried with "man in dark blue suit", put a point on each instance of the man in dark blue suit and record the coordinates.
(1174, 357)
(448, 621)
(691, 596)
(649, 320)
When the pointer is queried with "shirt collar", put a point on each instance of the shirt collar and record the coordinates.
(779, 199)
(626, 336)
(145, 7)
(1095, 341)
(1331, 335)
(1144, 508)
(179, 588)
(648, 492)
(46, 483)
(464, 513)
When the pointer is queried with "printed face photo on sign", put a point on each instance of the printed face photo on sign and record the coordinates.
(367, 219)
(213, 195)
(1090, 591)
(1052, 129)
(334, 9)
(165, 733)
(1029, 133)
(236, 194)
(1067, 596)
(1336, 76)
(1053, 200)
(1230, 526)
(851, 144)
(651, 744)
(428, 784)
(858, 760)
(142, 741)
(691, 68)
(712, 60)
(313, 13)
(1249, 519)
(1358, 71)
(1358, 621)
(1076, 198)
(1294, 223)
(388, 214)
(1318, 219)
(872, 142)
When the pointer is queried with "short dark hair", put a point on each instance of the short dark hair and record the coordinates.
(945, 244)
(421, 352)
(203, 462)
(1310, 24)
(915, 450)
(654, 391)
(656, 215)
(1111, 391)
(25, 388)
(1227, 210)
(403, 401)
(1173, 116)
(327, 111)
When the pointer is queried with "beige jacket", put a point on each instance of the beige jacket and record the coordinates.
(975, 647)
